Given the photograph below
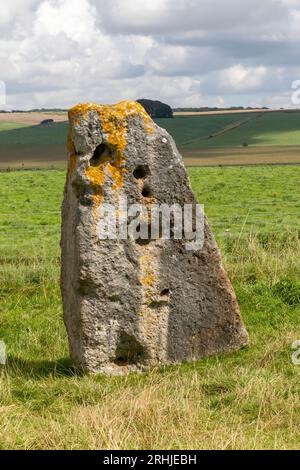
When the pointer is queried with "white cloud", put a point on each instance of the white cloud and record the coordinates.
(189, 53)
(239, 78)
(14, 9)
(134, 14)
(75, 18)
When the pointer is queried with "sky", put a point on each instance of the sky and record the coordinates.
(187, 53)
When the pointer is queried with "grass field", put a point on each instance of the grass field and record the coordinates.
(254, 129)
(189, 132)
(249, 399)
(10, 126)
(246, 138)
(55, 133)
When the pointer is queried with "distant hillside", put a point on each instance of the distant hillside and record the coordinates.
(50, 134)
(156, 109)
(235, 130)
(240, 138)
(189, 132)
(206, 109)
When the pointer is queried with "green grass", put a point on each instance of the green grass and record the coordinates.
(10, 126)
(248, 399)
(259, 200)
(265, 129)
(190, 132)
(54, 133)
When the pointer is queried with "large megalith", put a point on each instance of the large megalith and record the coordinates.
(134, 302)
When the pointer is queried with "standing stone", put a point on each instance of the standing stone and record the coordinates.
(130, 305)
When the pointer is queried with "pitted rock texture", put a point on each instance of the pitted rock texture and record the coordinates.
(130, 306)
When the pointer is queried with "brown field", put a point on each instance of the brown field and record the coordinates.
(47, 156)
(35, 118)
(242, 156)
(32, 156)
(32, 118)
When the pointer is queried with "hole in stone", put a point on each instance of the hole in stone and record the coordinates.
(165, 292)
(102, 152)
(146, 191)
(141, 172)
(144, 241)
(129, 350)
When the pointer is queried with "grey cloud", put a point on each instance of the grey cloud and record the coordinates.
(251, 50)
(183, 51)
(187, 15)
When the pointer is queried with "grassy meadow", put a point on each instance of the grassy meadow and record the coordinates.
(248, 399)
(10, 126)
(189, 132)
(235, 130)
(12, 133)
(223, 139)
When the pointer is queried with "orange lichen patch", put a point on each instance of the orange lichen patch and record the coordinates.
(118, 175)
(96, 174)
(114, 121)
(98, 196)
(72, 157)
(108, 113)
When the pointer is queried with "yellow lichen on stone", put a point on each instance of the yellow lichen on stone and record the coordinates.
(96, 176)
(148, 276)
(118, 175)
(148, 280)
(114, 125)
(71, 155)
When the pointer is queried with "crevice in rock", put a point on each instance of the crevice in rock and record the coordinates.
(146, 191)
(141, 171)
(165, 292)
(129, 350)
(102, 152)
(156, 304)
(144, 241)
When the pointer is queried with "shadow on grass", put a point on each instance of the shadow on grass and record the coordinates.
(30, 369)
(38, 369)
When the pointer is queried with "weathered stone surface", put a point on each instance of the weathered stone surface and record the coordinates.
(130, 305)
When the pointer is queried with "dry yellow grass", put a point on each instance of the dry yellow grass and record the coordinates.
(32, 118)
(201, 408)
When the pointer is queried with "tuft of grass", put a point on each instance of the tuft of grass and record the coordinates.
(245, 400)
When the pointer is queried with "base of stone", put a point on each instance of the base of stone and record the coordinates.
(121, 370)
